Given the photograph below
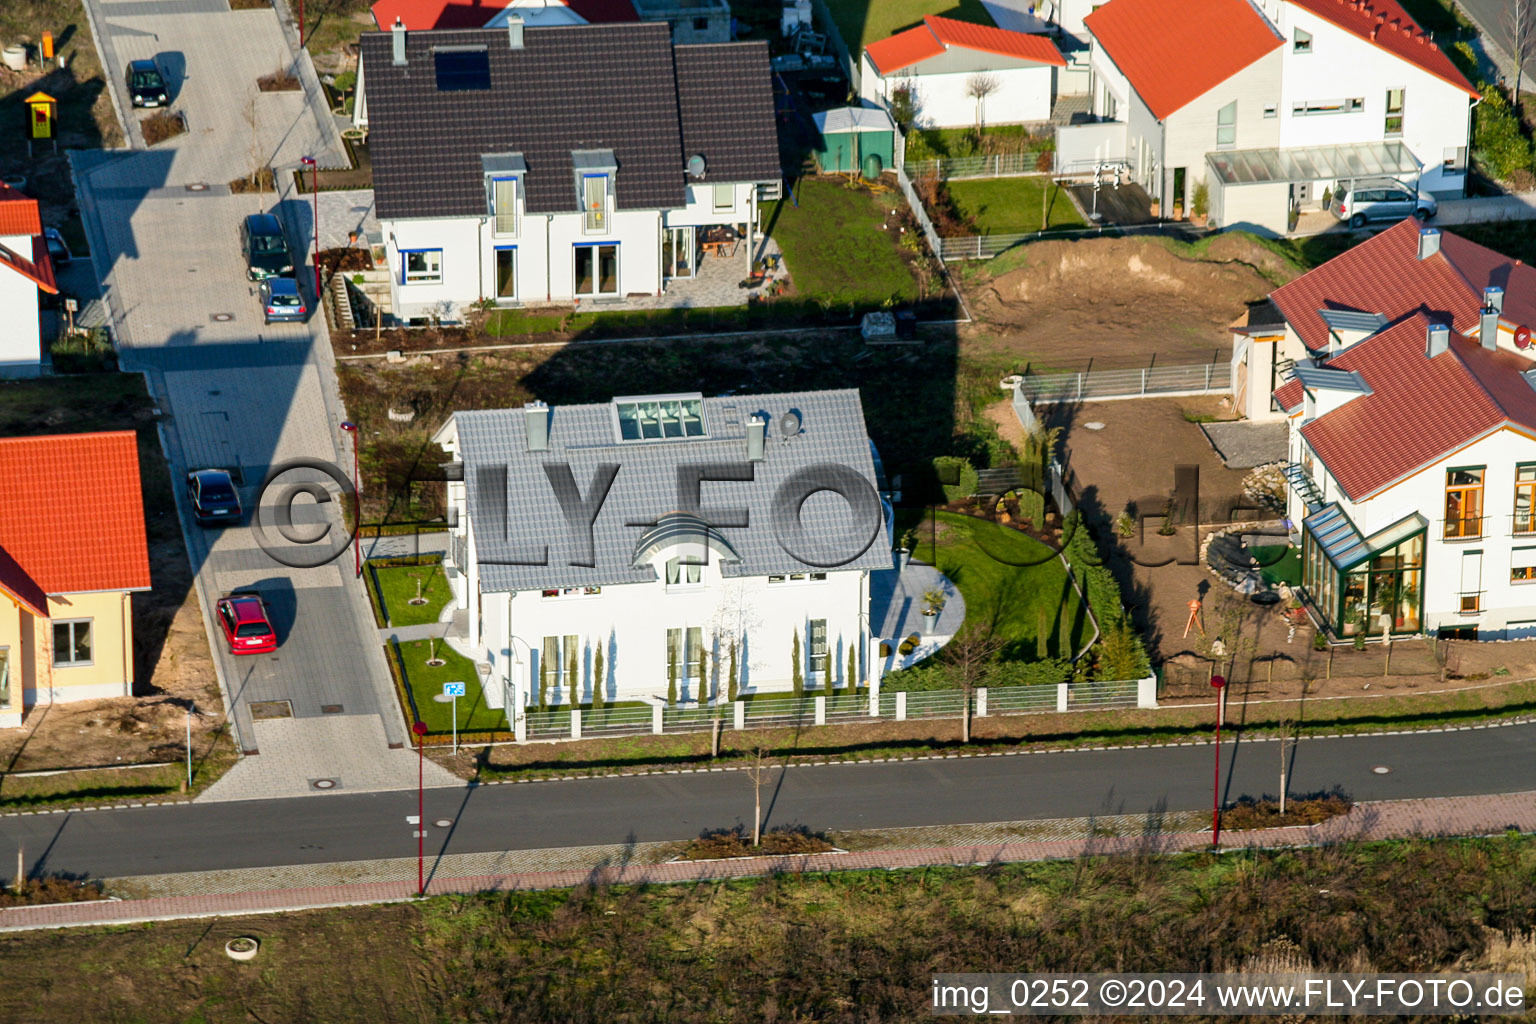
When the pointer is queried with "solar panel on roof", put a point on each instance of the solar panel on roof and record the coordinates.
(462, 70)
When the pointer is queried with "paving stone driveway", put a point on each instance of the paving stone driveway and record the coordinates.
(240, 393)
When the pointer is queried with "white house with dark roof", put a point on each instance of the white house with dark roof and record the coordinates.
(1412, 444)
(501, 175)
(26, 273)
(655, 528)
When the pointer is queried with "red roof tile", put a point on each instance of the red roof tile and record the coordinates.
(1290, 395)
(937, 34)
(1175, 52)
(72, 511)
(428, 14)
(1388, 25)
(1385, 275)
(1420, 409)
(18, 213)
(39, 268)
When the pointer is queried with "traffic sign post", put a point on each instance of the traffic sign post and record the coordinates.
(454, 691)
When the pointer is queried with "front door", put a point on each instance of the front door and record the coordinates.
(678, 246)
(506, 274)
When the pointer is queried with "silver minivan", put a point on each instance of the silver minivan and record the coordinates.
(1367, 199)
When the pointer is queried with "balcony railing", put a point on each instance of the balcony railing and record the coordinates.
(1471, 602)
(1465, 528)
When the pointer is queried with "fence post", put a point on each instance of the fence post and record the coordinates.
(1061, 696)
(901, 705)
(739, 715)
(978, 247)
(576, 723)
(981, 702)
(1079, 387)
(1208, 376)
(519, 720)
(1146, 692)
(874, 696)
(1143, 381)
(656, 710)
(821, 710)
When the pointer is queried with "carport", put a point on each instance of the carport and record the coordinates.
(1265, 189)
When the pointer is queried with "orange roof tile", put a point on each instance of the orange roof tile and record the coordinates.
(1290, 395)
(419, 15)
(18, 213)
(1173, 53)
(39, 268)
(936, 34)
(72, 511)
(1388, 25)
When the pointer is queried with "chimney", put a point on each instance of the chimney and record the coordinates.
(515, 32)
(1488, 328)
(1438, 340)
(757, 430)
(397, 34)
(1429, 242)
(536, 426)
(1493, 298)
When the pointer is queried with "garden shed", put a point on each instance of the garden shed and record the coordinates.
(855, 139)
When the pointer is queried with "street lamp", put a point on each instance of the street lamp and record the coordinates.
(420, 729)
(1220, 683)
(314, 184)
(357, 506)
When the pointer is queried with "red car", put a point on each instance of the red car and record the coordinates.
(243, 617)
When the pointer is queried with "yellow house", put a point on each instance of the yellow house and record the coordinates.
(72, 551)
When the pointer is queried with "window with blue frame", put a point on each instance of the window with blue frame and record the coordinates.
(421, 266)
(506, 272)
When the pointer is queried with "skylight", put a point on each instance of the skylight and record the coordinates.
(462, 69)
(660, 417)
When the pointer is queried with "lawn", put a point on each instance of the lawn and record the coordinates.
(1279, 563)
(830, 246)
(929, 143)
(862, 22)
(393, 587)
(426, 682)
(1014, 206)
(1011, 582)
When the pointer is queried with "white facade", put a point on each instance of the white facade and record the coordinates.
(21, 338)
(939, 88)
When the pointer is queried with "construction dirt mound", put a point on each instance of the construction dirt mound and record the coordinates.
(1119, 301)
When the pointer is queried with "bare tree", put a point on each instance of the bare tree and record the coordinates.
(970, 655)
(757, 774)
(1519, 22)
(979, 87)
(1287, 744)
(253, 120)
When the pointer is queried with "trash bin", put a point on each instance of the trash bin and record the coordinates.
(906, 324)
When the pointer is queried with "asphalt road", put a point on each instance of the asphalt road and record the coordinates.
(1488, 16)
(342, 827)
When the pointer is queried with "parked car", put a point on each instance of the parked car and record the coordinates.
(213, 497)
(58, 249)
(243, 620)
(265, 247)
(1366, 199)
(146, 85)
(281, 301)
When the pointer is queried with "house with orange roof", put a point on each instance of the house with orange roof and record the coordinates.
(26, 273)
(938, 63)
(1411, 413)
(73, 551)
(1271, 103)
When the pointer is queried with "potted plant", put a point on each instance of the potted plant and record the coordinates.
(1157, 208)
(933, 603)
(1352, 620)
(1200, 205)
(242, 948)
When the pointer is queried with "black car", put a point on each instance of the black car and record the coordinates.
(213, 497)
(146, 86)
(265, 247)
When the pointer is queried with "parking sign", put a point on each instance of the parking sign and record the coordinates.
(453, 689)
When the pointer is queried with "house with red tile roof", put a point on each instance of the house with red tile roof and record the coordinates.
(26, 273)
(73, 551)
(692, 21)
(940, 61)
(1271, 104)
(1409, 389)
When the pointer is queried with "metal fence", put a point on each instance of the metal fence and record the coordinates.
(997, 165)
(613, 722)
(1199, 379)
(935, 243)
(1102, 696)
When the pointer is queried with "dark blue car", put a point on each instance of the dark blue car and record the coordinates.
(213, 497)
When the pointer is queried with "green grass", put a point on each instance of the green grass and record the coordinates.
(835, 246)
(1014, 206)
(1280, 563)
(929, 143)
(426, 682)
(862, 22)
(1011, 583)
(397, 585)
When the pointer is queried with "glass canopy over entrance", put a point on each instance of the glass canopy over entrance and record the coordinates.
(1361, 584)
(1312, 163)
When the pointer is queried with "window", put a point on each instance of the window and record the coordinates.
(72, 642)
(504, 205)
(558, 661)
(597, 270)
(700, 24)
(1464, 503)
(572, 591)
(818, 645)
(1226, 125)
(1269, 111)
(462, 68)
(724, 198)
(506, 272)
(1302, 42)
(5, 677)
(1312, 108)
(1525, 500)
(594, 194)
(681, 573)
(1454, 160)
(660, 418)
(1110, 107)
(1522, 565)
(799, 577)
(1394, 112)
(1471, 581)
(421, 266)
(689, 657)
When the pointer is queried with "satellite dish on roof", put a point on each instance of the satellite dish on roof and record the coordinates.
(789, 423)
(696, 165)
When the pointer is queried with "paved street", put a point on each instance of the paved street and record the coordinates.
(649, 808)
(238, 393)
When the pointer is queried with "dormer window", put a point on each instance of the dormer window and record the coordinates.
(595, 170)
(683, 572)
(503, 181)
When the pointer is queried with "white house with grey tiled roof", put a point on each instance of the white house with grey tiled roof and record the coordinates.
(655, 528)
(559, 164)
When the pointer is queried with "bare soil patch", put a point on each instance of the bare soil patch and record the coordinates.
(162, 125)
(281, 80)
(260, 181)
(1250, 813)
(737, 842)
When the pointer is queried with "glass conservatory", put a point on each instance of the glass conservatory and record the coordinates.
(1364, 584)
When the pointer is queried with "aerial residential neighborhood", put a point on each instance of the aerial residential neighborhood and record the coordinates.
(766, 509)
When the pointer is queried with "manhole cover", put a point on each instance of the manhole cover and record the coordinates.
(271, 709)
(222, 318)
(1381, 769)
(1095, 425)
(443, 822)
(330, 709)
(322, 783)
